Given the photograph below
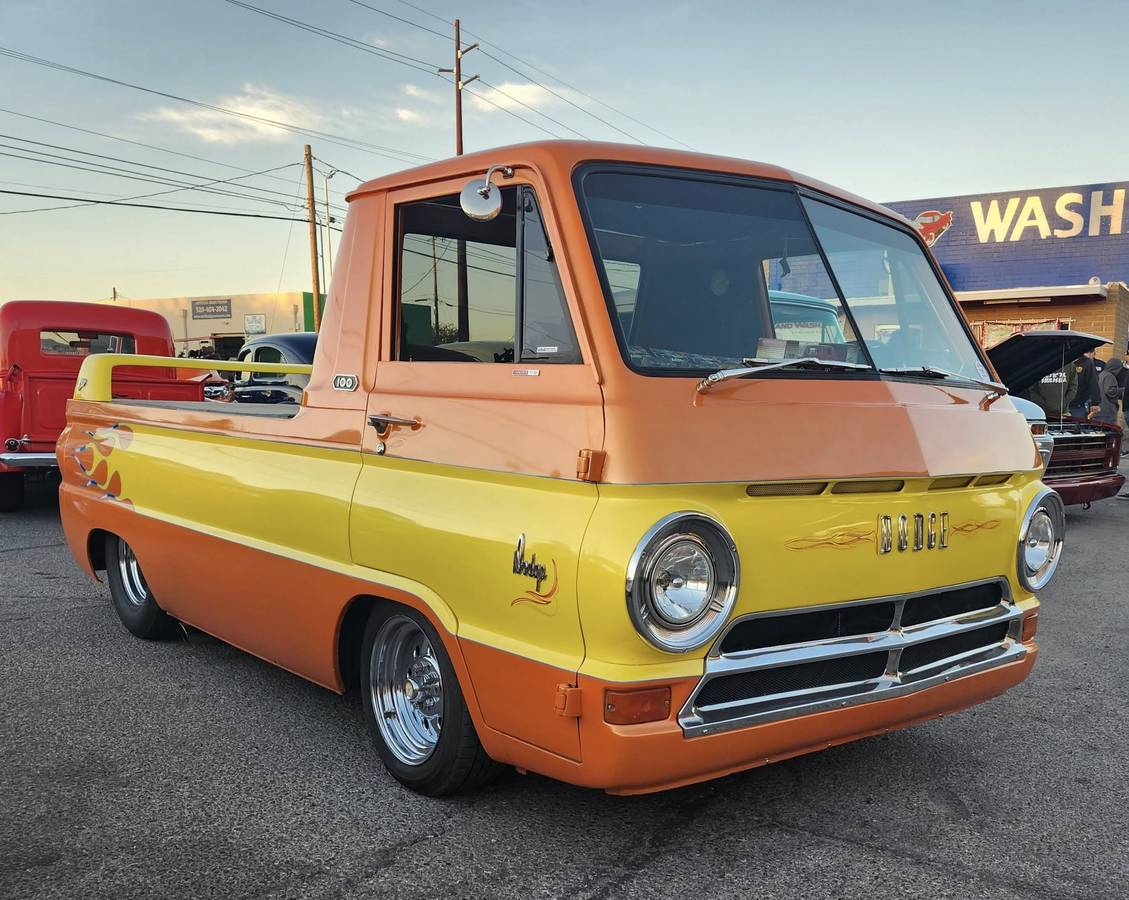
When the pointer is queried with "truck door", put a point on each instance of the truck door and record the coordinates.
(484, 401)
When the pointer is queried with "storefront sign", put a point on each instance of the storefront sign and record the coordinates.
(254, 323)
(211, 309)
(1053, 236)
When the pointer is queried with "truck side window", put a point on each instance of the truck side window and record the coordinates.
(547, 334)
(465, 296)
(458, 282)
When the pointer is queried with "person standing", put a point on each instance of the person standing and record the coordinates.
(1086, 401)
(1056, 392)
(1109, 391)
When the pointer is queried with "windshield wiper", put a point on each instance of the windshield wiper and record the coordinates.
(998, 390)
(763, 365)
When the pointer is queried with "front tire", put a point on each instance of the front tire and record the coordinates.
(11, 491)
(133, 600)
(415, 709)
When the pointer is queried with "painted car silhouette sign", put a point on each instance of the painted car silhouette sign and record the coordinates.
(932, 224)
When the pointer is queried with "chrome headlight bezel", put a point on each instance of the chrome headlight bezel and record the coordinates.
(1046, 507)
(712, 537)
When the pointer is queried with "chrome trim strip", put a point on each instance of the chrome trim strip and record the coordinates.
(894, 682)
(30, 460)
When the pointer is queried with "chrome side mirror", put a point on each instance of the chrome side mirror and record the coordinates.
(480, 199)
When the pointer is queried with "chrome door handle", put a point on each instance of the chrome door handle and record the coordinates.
(383, 424)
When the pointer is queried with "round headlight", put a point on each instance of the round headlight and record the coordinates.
(682, 582)
(1040, 540)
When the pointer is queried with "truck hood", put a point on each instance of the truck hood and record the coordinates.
(1025, 358)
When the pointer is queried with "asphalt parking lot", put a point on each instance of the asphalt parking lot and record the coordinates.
(189, 769)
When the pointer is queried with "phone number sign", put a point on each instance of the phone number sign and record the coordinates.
(211, 309)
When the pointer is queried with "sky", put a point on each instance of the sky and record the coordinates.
(890, 99)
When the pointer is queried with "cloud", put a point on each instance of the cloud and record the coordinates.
(507, 95)
(220, 128)
(410, 116)
(376, 40)
(419, 93)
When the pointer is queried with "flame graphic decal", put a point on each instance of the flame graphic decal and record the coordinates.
(838, 540)
(95, 464)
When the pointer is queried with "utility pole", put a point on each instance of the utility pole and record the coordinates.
(114, 295)
(460, 246)
(460, 50)
(435, 286)
(328, 232)
(312, 213)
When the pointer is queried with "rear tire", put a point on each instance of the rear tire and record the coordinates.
(414, 707)
(11, 491)
(133, 600)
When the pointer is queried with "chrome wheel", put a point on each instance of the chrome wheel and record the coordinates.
(133, 582)
(406, 690)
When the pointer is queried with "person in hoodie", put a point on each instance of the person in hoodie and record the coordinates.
(1109, 391)
(1056, 392)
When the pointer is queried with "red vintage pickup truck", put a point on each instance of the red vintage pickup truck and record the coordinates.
(42, 346)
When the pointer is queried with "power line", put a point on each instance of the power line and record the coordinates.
(556, 78)
(559, 96)
(114, 137)
(570, 87)
(91, 202)
(339, 169)
(153, 194)
(117, 172)
(385, 12)
(290, 232)
(351, 143)
(509, 112)
(132, 162)
(532, 109)
(390, 55)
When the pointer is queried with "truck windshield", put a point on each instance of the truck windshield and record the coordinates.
(703, 274)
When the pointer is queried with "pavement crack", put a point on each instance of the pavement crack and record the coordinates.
(32, 547)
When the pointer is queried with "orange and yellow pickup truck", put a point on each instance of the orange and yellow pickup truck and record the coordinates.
(628, 467)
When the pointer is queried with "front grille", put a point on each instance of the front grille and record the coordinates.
(766, 682)
(774, 665)
(1085, 453)
(920, 655)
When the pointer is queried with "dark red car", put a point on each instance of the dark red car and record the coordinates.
(1084, 455)
(42, 345)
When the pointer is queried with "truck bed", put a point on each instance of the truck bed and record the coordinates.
(263, 410)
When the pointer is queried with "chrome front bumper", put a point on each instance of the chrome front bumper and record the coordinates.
(743, 687)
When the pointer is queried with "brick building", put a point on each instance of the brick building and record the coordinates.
(1034, 259)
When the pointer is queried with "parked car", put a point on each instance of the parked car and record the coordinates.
(636, 555)
(42, 345)
(289, 348)
(1081, 456)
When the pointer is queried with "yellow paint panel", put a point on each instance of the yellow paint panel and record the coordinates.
(794, 552)
(456, 530)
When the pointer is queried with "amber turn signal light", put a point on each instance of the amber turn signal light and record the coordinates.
(1030, 624)
(633, 707)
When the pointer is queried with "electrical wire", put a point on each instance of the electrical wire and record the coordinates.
(132, 162)
(341, 140)
(384, 12)
(390, 55)
(87, 201)
(556, 78)
(114, 137)
(339, 169)
(117, 172)
(155, 193)
(532, 109)
(289, 234)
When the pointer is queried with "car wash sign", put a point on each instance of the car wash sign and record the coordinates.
(1056, 236)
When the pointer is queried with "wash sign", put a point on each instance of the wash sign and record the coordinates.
(1049, 237)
